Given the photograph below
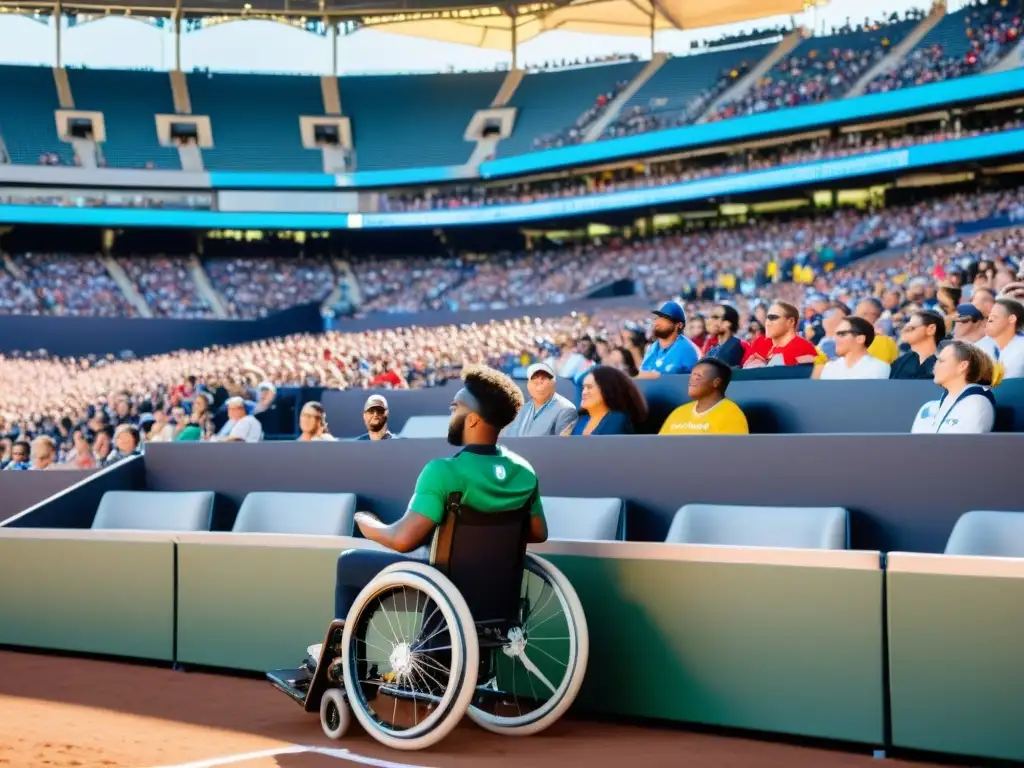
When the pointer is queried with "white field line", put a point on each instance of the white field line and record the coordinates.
(340, 754)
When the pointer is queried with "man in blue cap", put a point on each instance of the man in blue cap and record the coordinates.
(671, 352)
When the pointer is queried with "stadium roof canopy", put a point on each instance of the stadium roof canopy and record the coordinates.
(469, 22)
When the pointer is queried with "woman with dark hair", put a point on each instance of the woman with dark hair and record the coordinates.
(622, 358)
(611, 404)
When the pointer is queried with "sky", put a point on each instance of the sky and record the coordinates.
(263, 46)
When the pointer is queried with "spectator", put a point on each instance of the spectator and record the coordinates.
(723, 324)
(241, 427)
(853, 338)
(710, 412)
(81, 455)
(983, 298)
(313, 422)
(781, 345)
(671, 352)
(162, 430)
(546, 412)
(44, 452)
(923, 332)
(967, 406)
(1005, 344)
(127, 442)
(624, 360)
(611, 404)
(830, 324)
(883, 347)
(103, 444)
(375, 417)
(20, 456)
(969, 324)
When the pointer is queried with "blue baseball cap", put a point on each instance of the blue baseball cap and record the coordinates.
(968, 312)
(670, 310)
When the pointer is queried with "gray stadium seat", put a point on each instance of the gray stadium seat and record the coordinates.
(425, 426)
(795, 527)
(154, 511)
(318, 514)
(987, 533)
(584, 519)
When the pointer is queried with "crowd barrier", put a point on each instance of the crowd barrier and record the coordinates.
(785, 641)
(772, 406)
(21, 490)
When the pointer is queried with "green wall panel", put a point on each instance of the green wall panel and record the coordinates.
(776, 648)
(110, 597)
(956, 664)
(252, 607)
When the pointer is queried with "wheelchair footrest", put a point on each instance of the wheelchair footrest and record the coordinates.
(294, 682)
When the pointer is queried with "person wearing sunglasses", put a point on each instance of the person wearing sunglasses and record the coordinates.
(723, 324)
(781, 344)
(853, 337)
(924, 331)
(967, 406)
(969, 324)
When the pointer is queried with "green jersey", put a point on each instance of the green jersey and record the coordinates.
(489, 479)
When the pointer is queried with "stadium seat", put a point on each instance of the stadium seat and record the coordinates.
(988, 534)
(740, 526)
(425, 426)
(314, 514)
(154, 511)
(585, 519)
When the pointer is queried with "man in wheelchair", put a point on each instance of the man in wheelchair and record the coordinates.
(410, 639)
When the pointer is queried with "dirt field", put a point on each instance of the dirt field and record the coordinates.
(59, 712)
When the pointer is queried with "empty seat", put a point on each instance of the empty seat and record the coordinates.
(425, 426)
(315, 514)
(155, 511)
(987, 533)
(739, 526)
(584, 519)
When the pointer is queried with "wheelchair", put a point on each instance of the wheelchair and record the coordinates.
(486, 629)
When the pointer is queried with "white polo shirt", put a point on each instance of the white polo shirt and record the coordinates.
(1011, 358)
(971, 413)
(247, 429)
(867, 367)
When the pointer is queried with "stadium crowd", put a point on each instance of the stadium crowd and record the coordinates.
(87, 411)
(661, 173)
(991, 29)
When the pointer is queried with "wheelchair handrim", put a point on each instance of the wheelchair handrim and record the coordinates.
(549, 575)
(391, 583)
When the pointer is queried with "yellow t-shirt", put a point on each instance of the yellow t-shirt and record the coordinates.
(726, 418)
(884, 348)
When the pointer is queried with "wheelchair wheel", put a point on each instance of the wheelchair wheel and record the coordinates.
(537, 673)
(334, 714)
(411, 657)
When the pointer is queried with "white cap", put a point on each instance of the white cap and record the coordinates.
(375, 401)
(539, 368)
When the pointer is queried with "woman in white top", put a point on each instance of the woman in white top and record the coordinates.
(313, 422)
(967, 406)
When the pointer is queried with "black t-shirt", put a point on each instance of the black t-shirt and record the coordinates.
(910, 366)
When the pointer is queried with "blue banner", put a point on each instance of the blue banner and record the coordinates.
(804, 175)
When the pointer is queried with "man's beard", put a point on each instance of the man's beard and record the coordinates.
(379, 426)
(663, 333)
(456, 430)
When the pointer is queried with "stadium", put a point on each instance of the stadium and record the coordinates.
(768, 256)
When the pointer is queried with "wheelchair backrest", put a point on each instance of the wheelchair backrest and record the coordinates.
(483, 553)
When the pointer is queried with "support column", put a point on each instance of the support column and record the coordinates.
(515, 39)
(654, 16)
(334, 48)
(176, 16)
(58, 15)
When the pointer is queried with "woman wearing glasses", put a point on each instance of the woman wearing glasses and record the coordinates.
(967, 405)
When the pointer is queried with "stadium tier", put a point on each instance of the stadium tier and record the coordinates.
(434, 109)
(128, 100)
(28, 100)
(255, 120)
